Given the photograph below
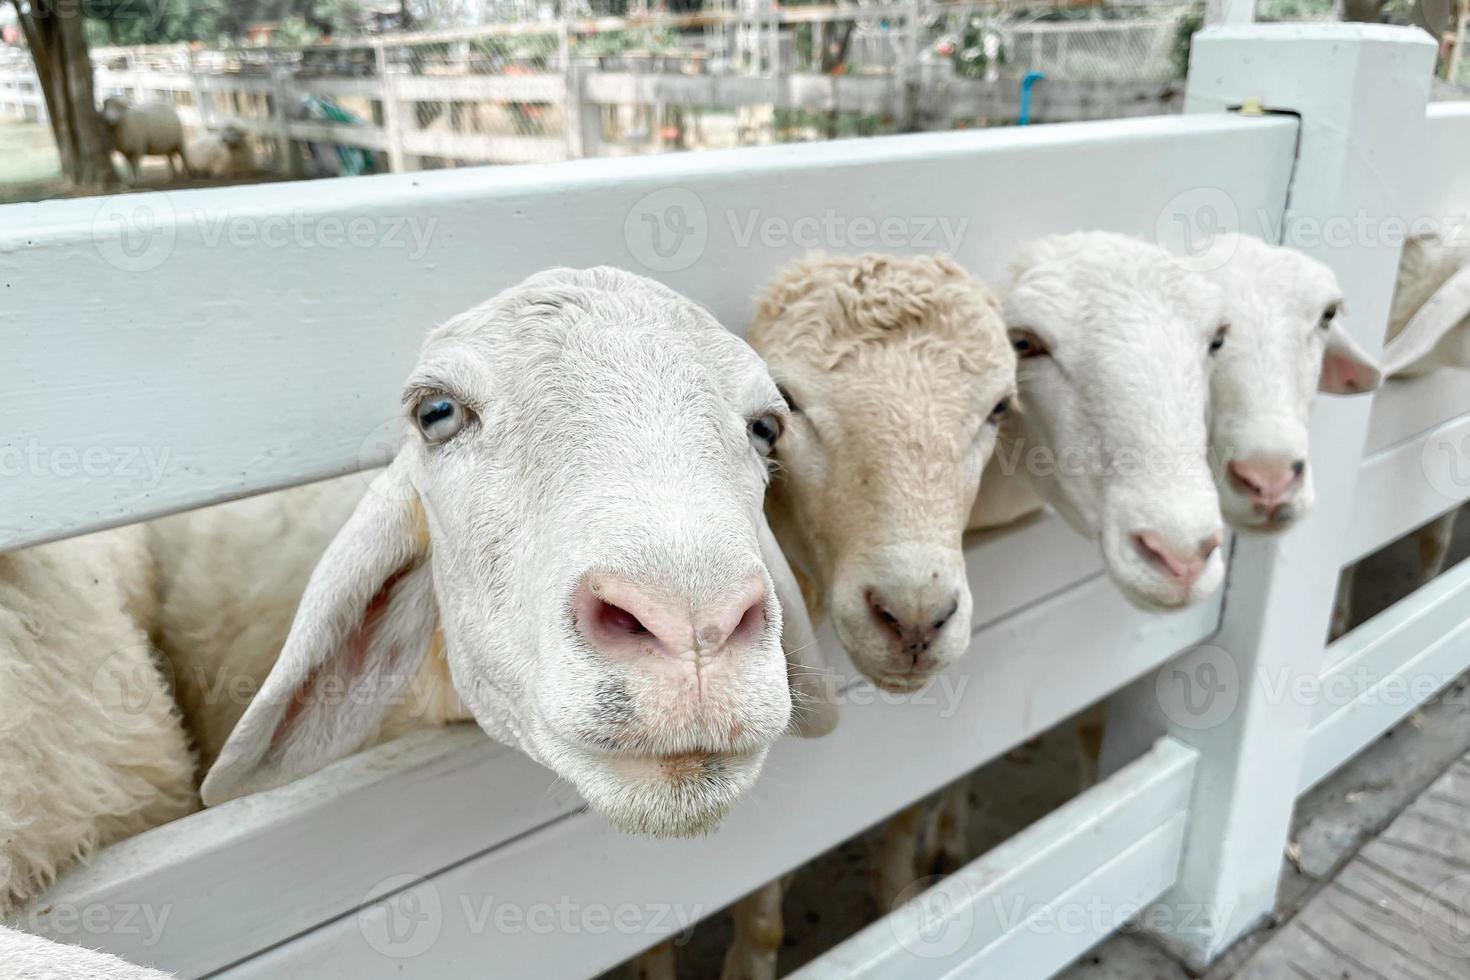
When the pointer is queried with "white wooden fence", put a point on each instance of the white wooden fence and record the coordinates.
(433, 96)
(246, 339)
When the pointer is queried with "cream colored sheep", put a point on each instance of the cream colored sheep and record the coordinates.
(220, 155)
(899, 374)
(93, 745)
(137, 131)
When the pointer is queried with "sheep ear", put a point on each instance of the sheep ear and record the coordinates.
(813, 685)
(1437, 335)
(364, 625)
(1346, 368)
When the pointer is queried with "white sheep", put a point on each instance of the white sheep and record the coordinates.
(898, 374)
(152, 129)
(579, 400)
(1428, 330)
(1286, 344)
(220, 155)
(27, 957)
(1116, 344)
(93, 746)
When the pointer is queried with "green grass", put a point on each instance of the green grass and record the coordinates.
(29, 167)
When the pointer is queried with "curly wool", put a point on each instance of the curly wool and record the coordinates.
(93, 744)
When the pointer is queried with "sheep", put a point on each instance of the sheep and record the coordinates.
(152, 129)
(1286, 343)
(93, 745)
(1116, 345)
(464, 581)
(33, 958)
(1428, 329)
(220, 155)
(898, 374)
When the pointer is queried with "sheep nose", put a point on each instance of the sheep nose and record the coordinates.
(1267, 481)
(1180, 565)
(914, 625)
(621, 618)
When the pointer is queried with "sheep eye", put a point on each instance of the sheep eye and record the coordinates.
(439, 418)
(764, 431)
(999, 411)
(1026, 344)
(1328, 315)
(1219, 339)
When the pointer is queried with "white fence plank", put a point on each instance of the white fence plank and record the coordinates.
(266, 330)
(1034, 903)
(461, 812)
(1382, 671)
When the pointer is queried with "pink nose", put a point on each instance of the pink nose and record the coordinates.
(1267, 481)
(1178, 565)
(912, 627)
(619, 618)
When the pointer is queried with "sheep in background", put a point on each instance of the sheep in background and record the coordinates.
(220, 155)
(579, 399)
(898, 374)
(152, 129)
(93, 746)
(1428, 329)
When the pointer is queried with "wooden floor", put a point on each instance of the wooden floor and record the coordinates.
(1400, 910)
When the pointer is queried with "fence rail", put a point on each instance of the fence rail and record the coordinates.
(291, 356)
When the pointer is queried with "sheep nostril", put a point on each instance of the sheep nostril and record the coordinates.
(619, 620)
(1210, 545)
(954, 607)
(1298, 467)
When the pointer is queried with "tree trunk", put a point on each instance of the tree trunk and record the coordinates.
(58, 46)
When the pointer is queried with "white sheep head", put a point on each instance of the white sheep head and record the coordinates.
(1286, 343)
(576, 515)
(897, 371)
(1115, 343)
(114, 107)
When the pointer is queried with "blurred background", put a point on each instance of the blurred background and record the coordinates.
(290, 89)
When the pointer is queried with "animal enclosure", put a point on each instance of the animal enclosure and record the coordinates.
(278, 321)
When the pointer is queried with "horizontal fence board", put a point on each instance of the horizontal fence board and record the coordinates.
(1409, 483)
(265, 331)
(1382, 671)
(508, 88)
(1045, 896)
(212, 870)
(1444, 187)
(498, 149)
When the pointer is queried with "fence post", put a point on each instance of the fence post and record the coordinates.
(204, 112)
(1360, 92)
(581, 117)
(281, 95)
(392, 109)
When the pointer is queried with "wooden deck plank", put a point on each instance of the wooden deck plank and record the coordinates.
(1397, 911)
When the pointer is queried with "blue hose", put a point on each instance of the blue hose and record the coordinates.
(1032, 77)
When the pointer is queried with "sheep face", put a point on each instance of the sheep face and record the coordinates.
(576, 516)
(113, 110)
(1286, 342)
(1116, 344)
(897, 372)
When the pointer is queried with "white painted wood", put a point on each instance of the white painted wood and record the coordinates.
(482, 820)
(1361, 92)
(1045, 896)
(1382, 671)
(262, 348)
(1413, 481)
